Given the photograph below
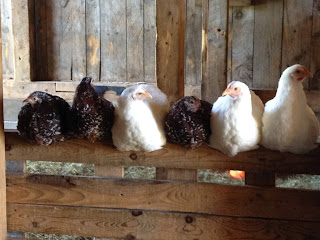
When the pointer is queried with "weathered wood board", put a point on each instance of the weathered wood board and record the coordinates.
(134, 224)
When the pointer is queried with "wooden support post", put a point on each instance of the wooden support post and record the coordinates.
(263, 179)
(214, 48)
(108, 171)
(3, 210)
(177, 174)
(170, 21)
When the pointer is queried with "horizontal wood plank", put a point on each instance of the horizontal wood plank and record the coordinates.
(120, 224)
(171, 156)
(276, 203)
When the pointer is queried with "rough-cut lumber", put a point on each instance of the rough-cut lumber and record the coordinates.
(297, 31)
(240, 3)
(315, 47)
(177, 174)
(22, 40)
(170, 19)
(133, 224)
(277, 203)
(263, 179)
(3, 211)
(108, 171)
(171, 156)
(267, 43)
(214, 48)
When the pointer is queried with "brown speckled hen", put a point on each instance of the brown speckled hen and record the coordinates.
(44, 119)
(188, 122)
(92, 115)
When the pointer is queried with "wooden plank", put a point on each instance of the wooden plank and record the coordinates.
(242, 45)
(290, 204)
(120, 224)
(41, 55)
(240, 3)
(59, 39)
(149, 44)
(113, 41)
(7, 40)
(177, 174)
(170, 19)
(16, 235)
(297, 31)
(263, 179)
(214, 71)
(171, 156)
(193, 40)
(267, 43)
(315, 47)
(135, 41)
(93, 38)
(22, 43)
(16, 166)
(3, 209)
(79, 54)
(108, 171)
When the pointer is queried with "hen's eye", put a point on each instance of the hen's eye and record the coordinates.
(139, 93)
(34, 99)
(298, 71)
(236, 89)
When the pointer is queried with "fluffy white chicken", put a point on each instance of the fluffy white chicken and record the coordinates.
(139, 119)
(289, 124)
(236, 120)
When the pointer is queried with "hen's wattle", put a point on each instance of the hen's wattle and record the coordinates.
(188, 122)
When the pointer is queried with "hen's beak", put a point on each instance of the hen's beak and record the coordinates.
(226, 92)
(309, 74)
(27, 100)
(147, 94)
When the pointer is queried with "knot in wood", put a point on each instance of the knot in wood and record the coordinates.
(35, 224)
(238, 14)
(130, 237)
(189, 219)
(136, 213)
(133, 156)
(8, 147)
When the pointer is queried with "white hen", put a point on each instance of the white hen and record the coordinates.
(289, 124)
(139, 119)
(236, 120)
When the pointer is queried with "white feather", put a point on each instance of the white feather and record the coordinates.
(139, 124)
(234, 128)
(289, 124)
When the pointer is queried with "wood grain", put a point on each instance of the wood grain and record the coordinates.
(108, 171)
(3, 211)
(240, 3)
(177, 174)
(93, 38)
(214, 71)
(113, 41)
(171, 156)
(264, 179)
(297, 31)
(267, 43)
(121, 224)
(170, 19)
(207, 198)
(315, 47)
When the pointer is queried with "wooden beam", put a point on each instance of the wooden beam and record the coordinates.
(3, 211)
(108, 171)
(277, 203)
(263, 179)
(170, 21)
(177, 174)
(240, 3)
(122, 224)
(171, 156)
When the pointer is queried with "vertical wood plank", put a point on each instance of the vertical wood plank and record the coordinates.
(113, 41)
(242, 44)
(297, 31)
(7, 40)
(149, 41)
(3, 210)
(315, 47)
(267, 43)
(93, 38)
(214, 75)
(41, 57)
(170, 20)
(193, 40)
(21, 37)
(79, 53)
(177, 174)
(262, 179)
(59, 39)
(135, 41)
(109, 171)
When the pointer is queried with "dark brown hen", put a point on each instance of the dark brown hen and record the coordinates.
(188, 122)
(44, 119)
(92, 115)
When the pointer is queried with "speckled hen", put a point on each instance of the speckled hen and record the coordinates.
(188, 122)
(44, 119)
(92, 115)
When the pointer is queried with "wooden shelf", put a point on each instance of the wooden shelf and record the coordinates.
(171, 156)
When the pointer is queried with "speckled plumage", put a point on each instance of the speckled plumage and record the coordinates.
(92, 115)
(188, 122)
(44, 119)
